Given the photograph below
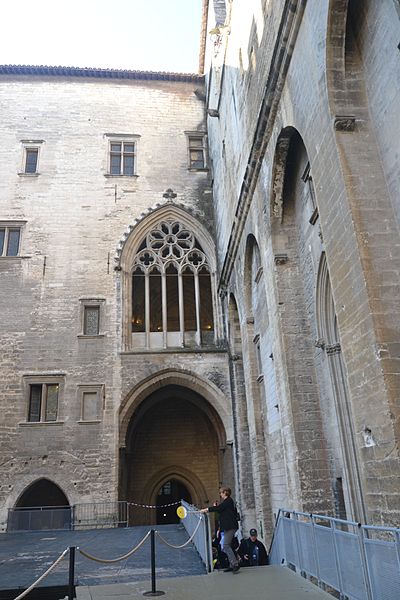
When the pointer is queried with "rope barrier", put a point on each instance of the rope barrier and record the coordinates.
(186, 543)
(49, 570)
(114, 560)
(154, 505)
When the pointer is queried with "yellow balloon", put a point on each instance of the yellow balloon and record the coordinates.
(181, 512)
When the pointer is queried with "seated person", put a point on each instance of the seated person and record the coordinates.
(252, 552)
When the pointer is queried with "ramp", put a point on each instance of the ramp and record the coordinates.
(25, 556)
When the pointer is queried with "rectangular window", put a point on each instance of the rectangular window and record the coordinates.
(43, 402)
(197, 154)
(122, 158)
(31, 160)
(91, 325)
(9, 240)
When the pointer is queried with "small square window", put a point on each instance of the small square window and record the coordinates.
(197, 151)
(43, 402)
(10, 236)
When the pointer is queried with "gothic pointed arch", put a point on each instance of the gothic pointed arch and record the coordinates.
(168, 269)
(348, 487)
(42, 492)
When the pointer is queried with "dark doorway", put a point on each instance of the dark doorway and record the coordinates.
(42, 506)
(43, 493)
(169, 493)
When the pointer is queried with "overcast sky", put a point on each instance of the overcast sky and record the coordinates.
(149, 35)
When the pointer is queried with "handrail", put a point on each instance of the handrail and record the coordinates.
(340, 554)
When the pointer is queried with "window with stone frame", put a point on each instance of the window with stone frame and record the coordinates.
(43, 402)
(122, 155)
(10, 237)
(172, 295)
(197, 155)
(91, 401)
(92, 317)
(30, 157)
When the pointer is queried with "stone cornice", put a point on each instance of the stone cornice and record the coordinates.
(287, 34)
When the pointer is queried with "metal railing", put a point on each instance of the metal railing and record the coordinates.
(361, 562)
(79, 516)
(202, 537)
(41, 517)
(100, 515)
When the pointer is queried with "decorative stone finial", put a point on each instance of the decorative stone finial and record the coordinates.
(169, 195)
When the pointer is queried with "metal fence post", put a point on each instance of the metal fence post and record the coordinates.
(153, 592)
(316, 553)
(337, 561)
(364, 562)
(71, 578)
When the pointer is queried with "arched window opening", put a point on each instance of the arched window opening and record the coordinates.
(138, 316)
(172, 295)
(171, 272)
(206, 308)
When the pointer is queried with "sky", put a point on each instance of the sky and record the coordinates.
(146, 35)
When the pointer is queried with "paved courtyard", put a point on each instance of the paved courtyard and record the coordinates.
(258, 583)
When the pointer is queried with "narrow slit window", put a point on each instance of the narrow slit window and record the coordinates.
(172, 299)
(206, 306)
(155, 301)
(31, 160)
(189, 299)
(138, 301)
(91, 325)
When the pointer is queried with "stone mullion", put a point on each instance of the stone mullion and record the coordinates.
(164, 308)
(181, 309)
(197, 300)
(147, 307)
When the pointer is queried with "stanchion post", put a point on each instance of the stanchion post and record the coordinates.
(153, 592)
(71, 594)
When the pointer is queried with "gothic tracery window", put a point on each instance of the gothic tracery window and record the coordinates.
(171, 290)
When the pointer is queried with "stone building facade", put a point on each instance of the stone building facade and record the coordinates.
(200, 274)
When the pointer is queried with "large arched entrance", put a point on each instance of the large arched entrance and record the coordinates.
(175, 449)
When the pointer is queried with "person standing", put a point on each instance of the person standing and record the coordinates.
(228, 524)
(252, 552)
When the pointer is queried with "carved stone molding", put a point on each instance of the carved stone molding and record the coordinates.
(280, 259)
(333, 349)
(320, 343)
(250, 320)
(344, 123)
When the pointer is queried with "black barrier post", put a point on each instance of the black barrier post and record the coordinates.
(71, 594)
(153, 567)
